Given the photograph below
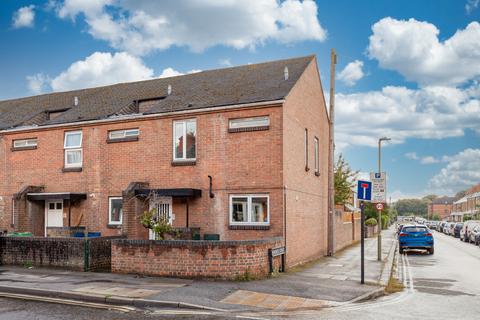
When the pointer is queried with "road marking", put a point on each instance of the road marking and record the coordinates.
(410, 277)
(67, 302)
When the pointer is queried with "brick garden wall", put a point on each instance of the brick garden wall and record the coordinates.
(347, 230)
(194, 259)
(67, 253)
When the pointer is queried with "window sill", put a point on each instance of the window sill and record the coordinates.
(128, 139)
(248, 227)
(73, 169)
(114, 226)
(259, 128)
(23, 148)
(180, 163)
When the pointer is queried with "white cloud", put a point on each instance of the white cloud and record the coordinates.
(411, 155)
(351, 73)
(101, 68)
(471, 5)
(225, 62)
(401, 113)
(142, 26)
(24, 17)
(170, 72)
(461, 172)
(413, 49)
(38, 83)
(429, 160)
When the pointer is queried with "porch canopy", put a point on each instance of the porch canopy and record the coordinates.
(175, 193)
(72, 196)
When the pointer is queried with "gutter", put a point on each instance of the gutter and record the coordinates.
(123, 118)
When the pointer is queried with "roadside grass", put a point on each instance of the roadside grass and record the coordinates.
(394, 286)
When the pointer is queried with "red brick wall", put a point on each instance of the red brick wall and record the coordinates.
(442, 210)
(246, 162)
(306, 193)
(194, 259)
(346, 232)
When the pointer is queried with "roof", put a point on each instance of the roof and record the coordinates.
(443, 200)
(221, 87)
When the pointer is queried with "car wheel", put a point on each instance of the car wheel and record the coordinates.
(431, 251)
(400, 250)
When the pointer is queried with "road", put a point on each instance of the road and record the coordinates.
(441, 286)
(445, 285)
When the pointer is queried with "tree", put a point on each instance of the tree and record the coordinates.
(430, 197)
(460, 194)
(344, 179)
(408, 207)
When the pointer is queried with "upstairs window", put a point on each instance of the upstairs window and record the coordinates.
(25, 144)
(73, 149)
(115, 210)
(184, 140)
(249, 124)
(317, 160)
(125, 134)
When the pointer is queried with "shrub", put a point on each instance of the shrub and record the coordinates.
(371, 222)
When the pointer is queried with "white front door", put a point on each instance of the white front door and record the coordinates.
(163, 211)
(53, 214)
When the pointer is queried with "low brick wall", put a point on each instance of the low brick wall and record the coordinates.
(68, 253)
(64, 232)
(194, 259)
(347, 231)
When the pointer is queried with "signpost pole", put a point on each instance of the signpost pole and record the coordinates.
(362, 243)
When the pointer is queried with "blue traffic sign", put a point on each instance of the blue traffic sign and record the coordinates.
(364, 190)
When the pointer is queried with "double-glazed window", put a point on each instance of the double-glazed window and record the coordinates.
(25, 143)
(184, 140)
(249, 123)
(115, 211)
(250, 209)
(123, 134)
(317, 156)
(73, 149)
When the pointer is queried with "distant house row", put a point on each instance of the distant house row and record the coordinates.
(454, 209)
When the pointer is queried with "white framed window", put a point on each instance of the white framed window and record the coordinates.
(73, 149)
(184, 140)
(249, 209)
(317, 156)
(25, 143)
(115, 210)
(121, 134)
(241, 123)
(306, 150)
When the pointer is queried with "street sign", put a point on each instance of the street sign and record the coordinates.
(379, 206)
(364, 190)
(379, 187)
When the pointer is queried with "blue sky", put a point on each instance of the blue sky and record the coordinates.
(406, 69)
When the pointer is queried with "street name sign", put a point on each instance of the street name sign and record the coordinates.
(379, 187)
(364, 190)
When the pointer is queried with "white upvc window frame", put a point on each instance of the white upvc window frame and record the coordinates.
(30, 142)
(75, 148)
(184, 151)
(249, 221)
(110, 222)
(250, 122)
(126, 133)
(316, 148)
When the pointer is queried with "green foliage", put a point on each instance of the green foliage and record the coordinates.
(436, 217)
(466, 218)
(409, 207)
(160, 227)
(430, 197)
(385, 220)
(371, 222)
(246, 276)
(344, 179)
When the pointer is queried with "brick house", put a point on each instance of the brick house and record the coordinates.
(441, 207)
(468, 205)
(240, 152)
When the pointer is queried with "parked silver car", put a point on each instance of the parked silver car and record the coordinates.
(465, 232)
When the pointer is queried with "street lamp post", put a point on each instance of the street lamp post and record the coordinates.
(379, 258)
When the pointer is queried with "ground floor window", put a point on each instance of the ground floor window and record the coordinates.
(249, 209)
(115, 211)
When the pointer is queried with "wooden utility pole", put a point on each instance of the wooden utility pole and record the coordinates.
(331, 150)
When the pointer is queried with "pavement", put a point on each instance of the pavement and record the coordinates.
(328, 282)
